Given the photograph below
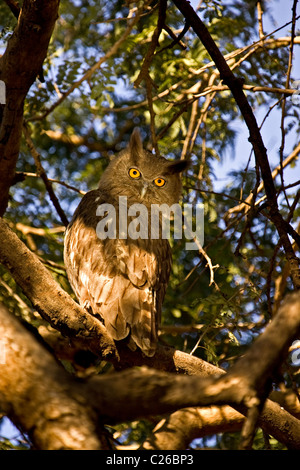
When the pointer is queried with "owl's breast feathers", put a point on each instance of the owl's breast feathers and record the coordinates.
(122, 280)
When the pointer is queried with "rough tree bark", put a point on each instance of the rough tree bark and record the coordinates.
(52, 302)
(19, 67)
(178, 430)
(114, 397)
(37, 394)
(60, 412)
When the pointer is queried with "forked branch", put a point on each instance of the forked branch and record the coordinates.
(236, 88)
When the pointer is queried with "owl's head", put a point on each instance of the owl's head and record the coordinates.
(142, 176)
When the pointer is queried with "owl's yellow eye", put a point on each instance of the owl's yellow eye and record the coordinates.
(134, 173)
(160, 182)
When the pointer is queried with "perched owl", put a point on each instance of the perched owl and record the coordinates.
(122, 278)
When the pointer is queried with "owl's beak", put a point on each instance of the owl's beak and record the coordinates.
(144, 190)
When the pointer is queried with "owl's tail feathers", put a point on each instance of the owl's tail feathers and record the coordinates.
(114, 321)
(144, 331)
(141, 329)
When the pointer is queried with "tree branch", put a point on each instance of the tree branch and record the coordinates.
(14, 7)
(245, 205)
(157, 392)
(183, 426)
(132, 21)
(22, 175)
(236, 87)
(144, 72)
(19, 66)
(56, 401)
(66, 316)
(36, 394)
(49, 299)
(42, 173)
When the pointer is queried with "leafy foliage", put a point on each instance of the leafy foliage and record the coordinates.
(75, 134)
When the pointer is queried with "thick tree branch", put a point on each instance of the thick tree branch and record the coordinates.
(14, 7)
(19, 67)
(59, 411)
(65, 315)
(182, 427)
(52, 302)
(241, 387)
(236, 87)
(36, 394)
(157, 392)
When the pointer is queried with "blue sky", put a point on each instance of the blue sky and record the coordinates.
(271, 133)
(281, 11)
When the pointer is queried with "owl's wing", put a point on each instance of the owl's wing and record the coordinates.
(146, 264)
(122, 280)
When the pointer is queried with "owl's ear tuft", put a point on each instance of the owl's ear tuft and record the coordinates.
(135, 144)
(177, 167)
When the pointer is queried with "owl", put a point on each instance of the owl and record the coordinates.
(119, 277)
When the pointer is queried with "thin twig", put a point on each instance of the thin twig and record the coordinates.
(43, 232)
(209, 264)
(283, 228)
(144, 72)
(260, 20)
(88, 74)
(66, 185)
(43, 175)
(192, 123)
(152, 113)
(293, 155)
(176, 39)
(283, 103)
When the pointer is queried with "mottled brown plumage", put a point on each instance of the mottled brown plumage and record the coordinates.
(123, 280)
